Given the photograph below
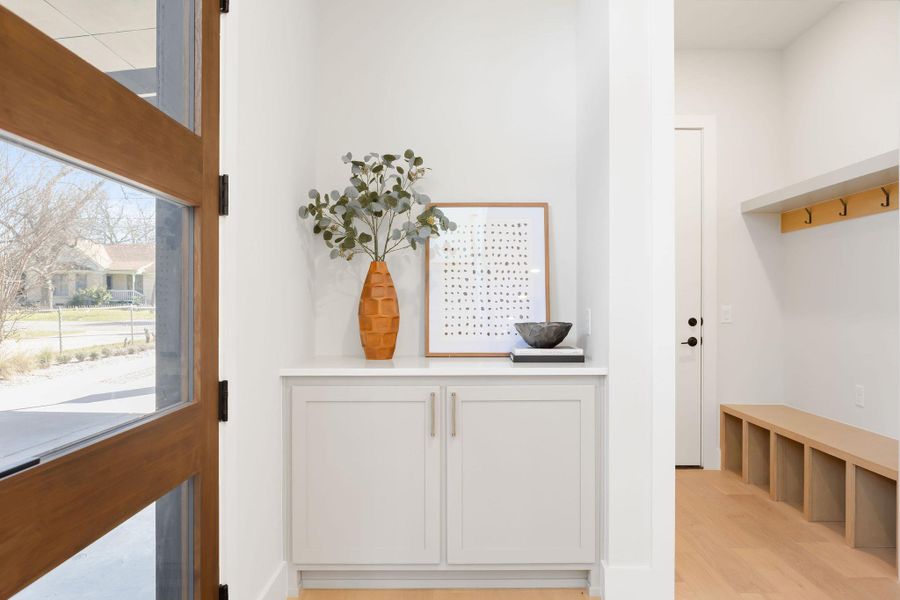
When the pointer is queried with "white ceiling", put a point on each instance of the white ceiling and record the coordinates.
(112, 35)
(745, 24)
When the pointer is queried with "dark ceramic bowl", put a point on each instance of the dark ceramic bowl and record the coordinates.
(543, 335)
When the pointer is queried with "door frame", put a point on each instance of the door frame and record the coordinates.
(709, 296)
(53, 101)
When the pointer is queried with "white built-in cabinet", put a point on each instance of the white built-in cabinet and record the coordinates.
(520, 474)
(366, 475)
(400, 475)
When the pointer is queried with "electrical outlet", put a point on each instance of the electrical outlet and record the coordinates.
(727, 316)
(587, 322)
(860, 399)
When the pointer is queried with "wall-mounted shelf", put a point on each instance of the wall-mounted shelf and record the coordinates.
(869, 174)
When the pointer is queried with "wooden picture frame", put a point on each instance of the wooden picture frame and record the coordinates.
(437, 346)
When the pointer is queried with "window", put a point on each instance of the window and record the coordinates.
(101, 363)
(146, 45)
(145, 558)
(60, 285)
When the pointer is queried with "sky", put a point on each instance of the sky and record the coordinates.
(120, 195)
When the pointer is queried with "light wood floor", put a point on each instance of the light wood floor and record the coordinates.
(732, 543)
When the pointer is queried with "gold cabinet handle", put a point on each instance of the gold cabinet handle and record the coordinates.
(453, 413)
(433, 414)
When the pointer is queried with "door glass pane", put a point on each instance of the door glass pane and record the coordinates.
(148, 557)
(146, 45)
(95, 305)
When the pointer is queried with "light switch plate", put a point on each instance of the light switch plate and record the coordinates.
(727, 316)
(587, 321)
(860, 398)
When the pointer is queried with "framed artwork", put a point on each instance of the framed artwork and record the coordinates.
(491, 272)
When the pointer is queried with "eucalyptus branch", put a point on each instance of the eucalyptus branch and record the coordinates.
(382, 188)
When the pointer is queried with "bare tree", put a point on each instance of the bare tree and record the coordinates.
(42, 207)
(122, 220)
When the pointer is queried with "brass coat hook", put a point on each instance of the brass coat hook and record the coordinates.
(887, 198)
(843, 212)
(808, 220)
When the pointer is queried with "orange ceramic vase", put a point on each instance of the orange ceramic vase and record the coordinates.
(379, 313)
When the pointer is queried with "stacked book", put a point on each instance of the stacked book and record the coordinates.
(560, 354)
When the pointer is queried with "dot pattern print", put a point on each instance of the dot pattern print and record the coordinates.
(487, 273)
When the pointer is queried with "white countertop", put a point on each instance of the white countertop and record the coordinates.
(436, 367)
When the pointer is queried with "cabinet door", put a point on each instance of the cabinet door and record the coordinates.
(520, 474)
(366, 475)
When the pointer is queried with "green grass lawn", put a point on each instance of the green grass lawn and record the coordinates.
(105, 314)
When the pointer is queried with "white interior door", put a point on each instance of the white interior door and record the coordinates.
(689, 318)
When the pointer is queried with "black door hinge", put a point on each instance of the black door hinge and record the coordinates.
(223, 401)
(224, 6)
(223, 195)
(223, 592)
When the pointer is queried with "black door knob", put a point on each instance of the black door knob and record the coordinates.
(692, 322)
(691, 341)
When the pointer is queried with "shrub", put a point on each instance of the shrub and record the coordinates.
(106, 352)
(45, 358)
(95, 355)
(94, 296)
(63, 359)
(79, 356)
(15, 364)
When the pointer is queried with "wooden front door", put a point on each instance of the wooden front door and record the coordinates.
(109, 120)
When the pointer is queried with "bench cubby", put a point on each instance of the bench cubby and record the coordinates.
(826, 496)
(758, 456)
(789, 471)
(834, 473)
(874, 510)
(732, 443)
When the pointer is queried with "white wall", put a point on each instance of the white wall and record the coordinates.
(841, 310)
(484, 91)
(638, 465)
(840, 282)
(266, 296)
(841, 89)
(815, 312)
(592, 194)
(742, 89)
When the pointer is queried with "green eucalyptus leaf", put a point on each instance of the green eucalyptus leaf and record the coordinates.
(304, 212)
(409, 154)
(364, 238)
(418, 161)
(313, 195)
(335, 253)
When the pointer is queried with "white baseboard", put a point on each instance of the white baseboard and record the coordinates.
(442, 579)
(279, 585)
(638, 582)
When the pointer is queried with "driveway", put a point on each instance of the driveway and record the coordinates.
(66, 403)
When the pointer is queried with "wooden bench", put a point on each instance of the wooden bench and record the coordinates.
(830, 471)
